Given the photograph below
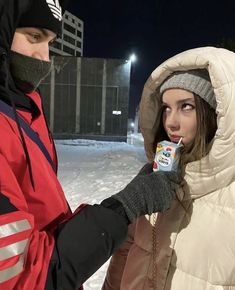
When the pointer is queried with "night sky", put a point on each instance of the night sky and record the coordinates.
(153, 30)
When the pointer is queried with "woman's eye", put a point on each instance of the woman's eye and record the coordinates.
(188, 107)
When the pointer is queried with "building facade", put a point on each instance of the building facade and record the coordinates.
(71, 41)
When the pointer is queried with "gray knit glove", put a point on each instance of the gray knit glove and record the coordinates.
(148, 192)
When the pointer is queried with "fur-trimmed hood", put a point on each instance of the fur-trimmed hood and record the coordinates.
(217, 169)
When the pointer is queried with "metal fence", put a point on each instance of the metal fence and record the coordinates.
(87, 98)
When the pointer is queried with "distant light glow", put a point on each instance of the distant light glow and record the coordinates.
(132, 57)
(117, 112)
(132, 124)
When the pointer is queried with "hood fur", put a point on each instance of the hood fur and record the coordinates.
(217, 169)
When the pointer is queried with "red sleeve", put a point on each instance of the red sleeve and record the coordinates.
(25, 252)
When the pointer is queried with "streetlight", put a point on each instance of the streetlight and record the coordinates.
(132, 58)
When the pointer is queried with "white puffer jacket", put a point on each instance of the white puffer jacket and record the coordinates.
(193, 250)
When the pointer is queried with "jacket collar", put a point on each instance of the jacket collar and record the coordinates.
(21, 101)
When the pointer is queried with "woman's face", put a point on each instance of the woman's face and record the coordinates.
(179, 115)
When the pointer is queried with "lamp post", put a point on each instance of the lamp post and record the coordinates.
(132, 59)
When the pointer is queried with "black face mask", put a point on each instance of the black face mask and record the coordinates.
(28, 72)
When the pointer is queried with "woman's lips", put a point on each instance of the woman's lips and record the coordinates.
(175, 138)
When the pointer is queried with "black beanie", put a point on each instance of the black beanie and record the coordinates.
(43, 14)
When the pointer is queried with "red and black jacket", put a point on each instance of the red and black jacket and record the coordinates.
(42, 244)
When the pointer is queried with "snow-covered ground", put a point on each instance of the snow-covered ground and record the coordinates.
(93, 170)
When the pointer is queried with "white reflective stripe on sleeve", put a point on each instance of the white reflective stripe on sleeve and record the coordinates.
(12, 271)
(14, 228)
(13, 249)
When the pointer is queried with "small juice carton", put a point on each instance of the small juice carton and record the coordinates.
(167, 156)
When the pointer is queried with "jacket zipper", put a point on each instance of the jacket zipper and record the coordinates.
(155, 245)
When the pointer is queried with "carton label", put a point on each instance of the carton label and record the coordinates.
(167, 156)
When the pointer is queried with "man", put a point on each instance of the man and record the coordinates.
(43, 245)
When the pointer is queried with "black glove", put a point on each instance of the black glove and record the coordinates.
(148, 192)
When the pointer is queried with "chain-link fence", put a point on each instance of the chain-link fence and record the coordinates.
(87, 98)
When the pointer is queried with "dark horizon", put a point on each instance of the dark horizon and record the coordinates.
(154, 32)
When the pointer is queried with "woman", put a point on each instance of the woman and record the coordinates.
(43, 245)
(190, 246)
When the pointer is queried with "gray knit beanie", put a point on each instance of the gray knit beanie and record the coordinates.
(196, 81)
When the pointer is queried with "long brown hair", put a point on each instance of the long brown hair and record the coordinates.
(206, 128)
